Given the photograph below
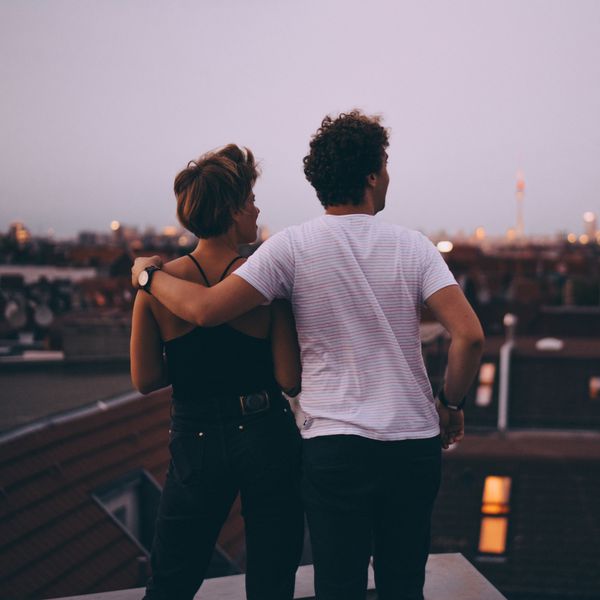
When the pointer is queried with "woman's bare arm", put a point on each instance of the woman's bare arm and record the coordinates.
(286, 352)
(148, 366)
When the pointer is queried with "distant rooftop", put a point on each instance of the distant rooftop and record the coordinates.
(531, 444)
(31, 392)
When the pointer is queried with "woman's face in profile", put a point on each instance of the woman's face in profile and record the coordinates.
(245, 220)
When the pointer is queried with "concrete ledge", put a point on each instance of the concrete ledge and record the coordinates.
(448, 577)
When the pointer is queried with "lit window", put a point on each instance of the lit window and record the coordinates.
(492, 538)
(595, 388)
(487, 373)
(495, 507)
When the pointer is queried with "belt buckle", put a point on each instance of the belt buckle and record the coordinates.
(255, 403)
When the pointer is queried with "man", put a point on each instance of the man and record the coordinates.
(372, 444)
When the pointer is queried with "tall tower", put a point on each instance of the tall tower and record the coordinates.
(520, 195)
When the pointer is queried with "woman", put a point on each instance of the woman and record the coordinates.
(232, 431)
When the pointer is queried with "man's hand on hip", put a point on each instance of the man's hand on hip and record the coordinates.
(452, 425)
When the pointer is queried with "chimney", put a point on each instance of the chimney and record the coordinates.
(510, 327)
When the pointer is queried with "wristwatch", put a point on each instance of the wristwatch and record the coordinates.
(145, 278)
(444, 401)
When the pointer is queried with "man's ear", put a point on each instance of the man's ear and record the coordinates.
(371, 179)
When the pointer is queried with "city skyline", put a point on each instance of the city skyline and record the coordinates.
(104, 103)
(586, 232)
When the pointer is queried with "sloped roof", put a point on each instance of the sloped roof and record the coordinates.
(54, 538)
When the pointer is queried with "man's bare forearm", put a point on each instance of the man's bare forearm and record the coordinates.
(464, 356)
(195, 303)
(189, 301)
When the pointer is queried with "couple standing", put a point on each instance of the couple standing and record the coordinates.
(373, 433)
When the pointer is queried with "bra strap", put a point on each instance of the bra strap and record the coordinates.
(200, 269)
(229, 267)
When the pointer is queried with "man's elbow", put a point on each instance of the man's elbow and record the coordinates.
(474, 339)
(199, 314)
(469, 335)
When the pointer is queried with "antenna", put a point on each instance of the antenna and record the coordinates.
(520, 195)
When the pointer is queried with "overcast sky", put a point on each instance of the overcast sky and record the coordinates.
(102, 102)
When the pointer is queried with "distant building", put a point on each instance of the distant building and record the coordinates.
(522, 504)
(523, 508)
(18, 233)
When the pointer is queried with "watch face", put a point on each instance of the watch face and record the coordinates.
(143, 278)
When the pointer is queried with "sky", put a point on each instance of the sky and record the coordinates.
(102, 102)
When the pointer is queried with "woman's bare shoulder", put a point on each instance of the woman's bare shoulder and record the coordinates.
(179, 267)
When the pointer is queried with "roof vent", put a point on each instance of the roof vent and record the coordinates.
(549, 344)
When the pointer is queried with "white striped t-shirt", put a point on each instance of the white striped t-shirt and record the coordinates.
(356, 285)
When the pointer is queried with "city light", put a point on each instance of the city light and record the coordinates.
(584, 239)
(22, 236)
(571, 238)
(170, 230)
(115, 225)
(511, 234)
(445, 246)
(480, 233)
(589, 217)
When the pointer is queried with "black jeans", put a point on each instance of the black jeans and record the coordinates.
(211, 461)
(364, 496)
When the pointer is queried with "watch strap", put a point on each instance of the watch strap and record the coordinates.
(150, 270)
(444, 401)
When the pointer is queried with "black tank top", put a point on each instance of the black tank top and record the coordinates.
(215, 361)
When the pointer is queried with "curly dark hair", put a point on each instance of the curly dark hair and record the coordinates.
(210, 189)
(343, 152)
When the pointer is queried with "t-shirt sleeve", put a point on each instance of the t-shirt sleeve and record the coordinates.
(436, 274)
(270, 270)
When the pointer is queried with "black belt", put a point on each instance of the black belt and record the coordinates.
(227, 405)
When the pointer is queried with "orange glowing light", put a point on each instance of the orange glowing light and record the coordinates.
(487, 372)
(496, 495)
(492, 536)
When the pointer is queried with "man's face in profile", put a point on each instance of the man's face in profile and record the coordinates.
(381, 185)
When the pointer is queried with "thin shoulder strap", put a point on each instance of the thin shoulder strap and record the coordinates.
(200, 269)
(229, 267)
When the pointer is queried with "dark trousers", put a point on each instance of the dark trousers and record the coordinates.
(366, 497)
(211, 461)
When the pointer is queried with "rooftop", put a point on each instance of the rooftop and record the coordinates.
(448, 576)
(33, 392)
(531, 444)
